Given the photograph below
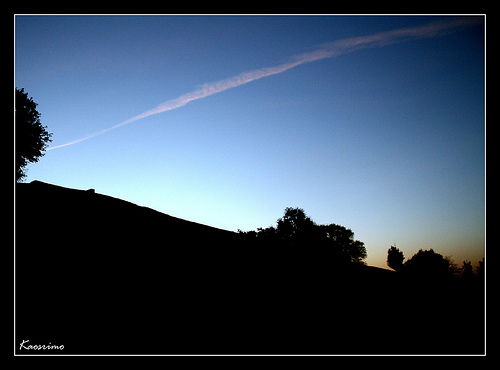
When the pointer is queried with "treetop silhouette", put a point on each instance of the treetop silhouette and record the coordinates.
(296, 230)
(31, 137)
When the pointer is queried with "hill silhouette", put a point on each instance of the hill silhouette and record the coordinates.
(103, 275)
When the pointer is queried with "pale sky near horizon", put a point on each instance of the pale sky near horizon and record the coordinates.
(186, 115)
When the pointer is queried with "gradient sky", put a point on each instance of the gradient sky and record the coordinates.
(388, 140)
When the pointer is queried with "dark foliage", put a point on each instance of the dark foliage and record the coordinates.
(467, 272)
(31, 137)
(296, 230)
(427, 264)
(395, 258)
(480, 269)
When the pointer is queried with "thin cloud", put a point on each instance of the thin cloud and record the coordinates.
(324, 51)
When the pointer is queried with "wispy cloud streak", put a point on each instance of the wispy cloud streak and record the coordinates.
(324, 51)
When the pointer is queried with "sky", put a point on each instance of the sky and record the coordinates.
(376, 123)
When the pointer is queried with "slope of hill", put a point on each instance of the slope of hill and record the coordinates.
(101, 275)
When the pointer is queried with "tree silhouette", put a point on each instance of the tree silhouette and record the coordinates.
(395, 258)
(429, 264)
(480, 269)
(356, 251)
(296, 229)
(467, 272)
(31, 138)
(341, 241)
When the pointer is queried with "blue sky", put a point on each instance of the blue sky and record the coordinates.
(387, 140)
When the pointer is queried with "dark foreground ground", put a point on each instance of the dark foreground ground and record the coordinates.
(99, 275)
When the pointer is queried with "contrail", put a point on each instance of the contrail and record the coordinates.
(324, 51)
